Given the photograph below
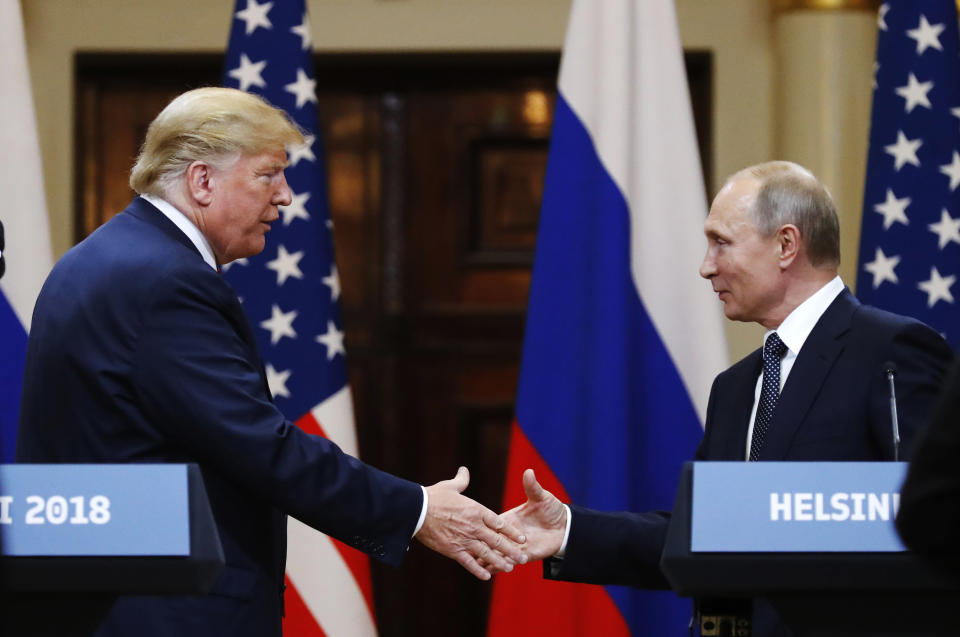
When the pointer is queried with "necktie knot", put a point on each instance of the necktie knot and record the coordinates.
(774, 348)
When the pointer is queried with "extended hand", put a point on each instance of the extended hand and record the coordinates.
(542, 518)
(466, 531)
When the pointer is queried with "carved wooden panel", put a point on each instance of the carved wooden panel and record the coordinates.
(507, 179)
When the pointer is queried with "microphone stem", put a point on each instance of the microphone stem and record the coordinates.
(893, 418)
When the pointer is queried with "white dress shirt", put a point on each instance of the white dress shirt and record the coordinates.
(203, 246)
(794, 332)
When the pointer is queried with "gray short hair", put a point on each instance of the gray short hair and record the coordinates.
(211, 124)
(789, 193)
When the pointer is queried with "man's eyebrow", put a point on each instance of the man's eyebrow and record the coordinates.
(713, 231)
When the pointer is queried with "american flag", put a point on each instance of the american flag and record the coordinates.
(910, 240)
(291, 293)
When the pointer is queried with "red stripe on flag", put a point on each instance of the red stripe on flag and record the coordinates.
(359, 565)
(523, 603)
(357, 561)
(310, 425)
(297, 618)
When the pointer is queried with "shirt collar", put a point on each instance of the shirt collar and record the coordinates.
(800, 322)
(186, 226)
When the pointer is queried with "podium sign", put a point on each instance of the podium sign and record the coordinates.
(94, 510)
(796, 507)
(833, 568)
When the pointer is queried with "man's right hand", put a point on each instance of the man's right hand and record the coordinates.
(465, 531)
(542, 518)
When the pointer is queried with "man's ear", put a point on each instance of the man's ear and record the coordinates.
(788, 242)
(199, 176)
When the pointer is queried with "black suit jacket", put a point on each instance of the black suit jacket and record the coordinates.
(140, 352)
(929, 518)
(834, 406)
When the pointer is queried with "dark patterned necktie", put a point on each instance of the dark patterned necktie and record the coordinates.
(773, 351)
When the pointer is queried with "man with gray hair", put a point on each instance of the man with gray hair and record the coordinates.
(140, 352)
(815, 390)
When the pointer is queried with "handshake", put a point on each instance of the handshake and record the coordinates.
(483, 542)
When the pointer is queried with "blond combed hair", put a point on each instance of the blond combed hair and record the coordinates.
(212, 124)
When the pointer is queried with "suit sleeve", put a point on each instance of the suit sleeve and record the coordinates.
(704, 446)
(202, 387)
(613, 548)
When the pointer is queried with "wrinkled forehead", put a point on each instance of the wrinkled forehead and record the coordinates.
(273, 158)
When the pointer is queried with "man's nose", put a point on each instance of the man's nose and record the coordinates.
(283, 196)
(707, 267)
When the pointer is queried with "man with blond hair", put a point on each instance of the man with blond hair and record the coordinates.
(140, 352)
(816, 390)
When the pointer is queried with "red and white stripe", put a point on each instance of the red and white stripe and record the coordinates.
(329, 591)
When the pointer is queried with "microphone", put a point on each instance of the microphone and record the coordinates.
(890, 370)
(3, 266)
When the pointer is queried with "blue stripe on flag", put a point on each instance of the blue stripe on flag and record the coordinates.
(14, 339)
(600, 397)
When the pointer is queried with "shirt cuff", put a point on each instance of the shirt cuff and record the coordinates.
(423, 513)
(566, 536)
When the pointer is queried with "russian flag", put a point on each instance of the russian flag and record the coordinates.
(623, 338)
(24, 217)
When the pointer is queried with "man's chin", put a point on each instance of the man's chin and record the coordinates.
(731, 312)
(256, 247)
(249, 251)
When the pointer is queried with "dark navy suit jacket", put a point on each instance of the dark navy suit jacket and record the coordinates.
(140, 352)
(929, 517)
(834, 405)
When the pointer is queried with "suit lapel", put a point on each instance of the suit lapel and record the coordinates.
(809, 372)
(743, 387)
(246, 334)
